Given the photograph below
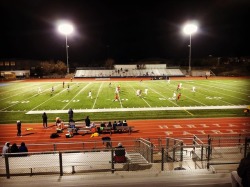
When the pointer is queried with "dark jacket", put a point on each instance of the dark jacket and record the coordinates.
(120, 151)
(44, 116)
(87, 122)
(244, 171)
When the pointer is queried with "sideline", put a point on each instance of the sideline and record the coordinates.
(139, 109)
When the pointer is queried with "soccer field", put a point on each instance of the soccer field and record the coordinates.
(26, 100)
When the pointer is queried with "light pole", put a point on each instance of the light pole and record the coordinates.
(66, 29)
(189, 29)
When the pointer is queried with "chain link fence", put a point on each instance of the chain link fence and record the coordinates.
(157, 154)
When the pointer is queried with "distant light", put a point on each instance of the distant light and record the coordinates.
(190, 29)
(65, 28)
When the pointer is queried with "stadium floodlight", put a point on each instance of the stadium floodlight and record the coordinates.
(66, 29)
(190, 29)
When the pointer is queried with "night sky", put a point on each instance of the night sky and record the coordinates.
(125, 30)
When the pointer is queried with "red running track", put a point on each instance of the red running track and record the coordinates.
(162, 128)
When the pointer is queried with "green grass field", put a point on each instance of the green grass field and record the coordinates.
(20, 100)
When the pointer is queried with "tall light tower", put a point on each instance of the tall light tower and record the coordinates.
(189, 29)
(66, 29)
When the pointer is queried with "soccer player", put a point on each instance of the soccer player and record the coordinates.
(116, 90)
(178, 97)
(193, 89)
(39, 90)
(90, 94)
(68, 88)
(63, 84)
(174, 96)
(138, 93)
(52, 90)
(116, 97)
(146, 91)
(168, 80)
(178, 87)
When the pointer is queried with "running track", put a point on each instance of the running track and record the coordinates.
(162, 128)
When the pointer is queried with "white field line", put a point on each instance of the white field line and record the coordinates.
(76, 95)
(19, 102)
(22, 88)
(183, 95)
(18, 93)
(97, 95)
(238, 87)
(171, 102)
(141, 97)
(48, 99)
(223, 93)
(141, 109)
(197, 92)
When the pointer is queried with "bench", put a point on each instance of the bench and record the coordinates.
(121, 129)
(106, 130)
(84, 130)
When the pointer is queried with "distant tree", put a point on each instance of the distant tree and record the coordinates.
(52, 67)
(60, 67)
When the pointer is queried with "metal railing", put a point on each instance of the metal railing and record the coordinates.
(155, 154)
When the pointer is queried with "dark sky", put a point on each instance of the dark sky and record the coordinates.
(126, 30)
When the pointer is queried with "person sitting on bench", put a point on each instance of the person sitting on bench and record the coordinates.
(59, 124)
(120, 154)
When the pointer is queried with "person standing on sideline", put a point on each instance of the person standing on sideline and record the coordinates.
(70, 113)
(87, 121)
(63, 84)
(19, 125)
(45, 120)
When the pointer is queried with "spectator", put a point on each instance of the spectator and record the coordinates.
(120, 154)
(124, 123)
(244, 171)
(19, 125)
(87, 121)
(109, 124)
(107, 141)
(59, 123)
(119, 123)
(23, 148)
(102, 124)
(14, 149)
(45, 120)
(70, 113)
(114, 125)
(6, 148)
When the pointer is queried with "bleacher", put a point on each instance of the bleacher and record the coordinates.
(129, 73)
(96, 163)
